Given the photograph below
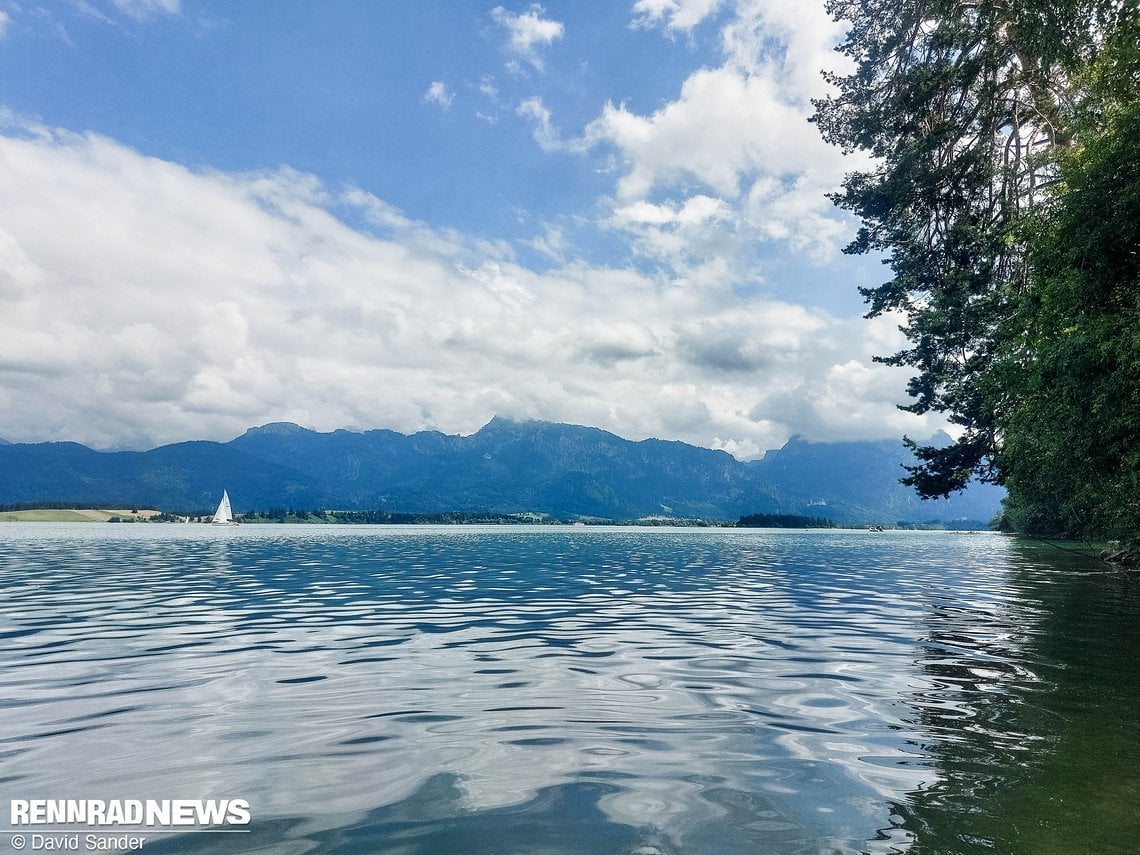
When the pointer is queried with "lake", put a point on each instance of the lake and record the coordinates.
(421, 690)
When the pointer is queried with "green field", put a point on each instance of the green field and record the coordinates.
(79, 515)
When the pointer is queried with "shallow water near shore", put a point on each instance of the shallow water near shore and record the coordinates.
(576, 690)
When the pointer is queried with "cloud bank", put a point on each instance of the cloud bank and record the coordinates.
(145, 302)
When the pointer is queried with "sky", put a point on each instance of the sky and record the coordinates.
(215, 215)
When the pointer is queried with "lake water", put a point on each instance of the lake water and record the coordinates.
(576, 690)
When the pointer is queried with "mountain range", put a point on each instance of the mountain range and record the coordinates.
(566, 471)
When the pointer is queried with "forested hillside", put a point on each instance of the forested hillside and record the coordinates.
(567, 471)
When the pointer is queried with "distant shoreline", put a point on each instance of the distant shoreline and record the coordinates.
(23, 513)
(132, 515)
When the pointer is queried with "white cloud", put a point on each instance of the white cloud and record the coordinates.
(438, 94)
(527, 32)
(695, 210)
(790, 43)
(850, 398)
(545, 134)
(696, 239)
(5, 21)
(552, 243)
(488, 88)
(732, 162)
(795, 213)
(758, 134)
(142, 10)
(674, 14)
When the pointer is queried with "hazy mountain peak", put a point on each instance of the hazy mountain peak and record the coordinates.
(277, 429)
(508, 423)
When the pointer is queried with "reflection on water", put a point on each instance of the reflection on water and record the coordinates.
(565, 690)
(1035, 763)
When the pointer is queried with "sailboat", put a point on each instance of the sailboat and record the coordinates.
(223, 515)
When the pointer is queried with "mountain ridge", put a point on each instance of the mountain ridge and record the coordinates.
(507, 466)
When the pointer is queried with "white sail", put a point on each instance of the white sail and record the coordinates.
(223, 515)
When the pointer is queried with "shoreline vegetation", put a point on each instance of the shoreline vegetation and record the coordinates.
(126, 513)
(1005, 198)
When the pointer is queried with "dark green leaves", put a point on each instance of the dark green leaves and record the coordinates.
(1004, 197)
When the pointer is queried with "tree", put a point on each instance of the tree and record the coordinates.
(970, 110)
(1071, 452)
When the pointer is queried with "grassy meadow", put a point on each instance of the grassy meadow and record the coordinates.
(78, 515)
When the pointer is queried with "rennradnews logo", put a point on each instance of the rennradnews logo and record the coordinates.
(138, 813)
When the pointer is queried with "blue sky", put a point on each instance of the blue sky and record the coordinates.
(341, 91)
(421, 215)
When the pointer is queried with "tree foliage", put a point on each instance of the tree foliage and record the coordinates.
(999, 142)
(1071, 450)
(783, 521)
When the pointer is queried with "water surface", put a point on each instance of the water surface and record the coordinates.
(569, 690)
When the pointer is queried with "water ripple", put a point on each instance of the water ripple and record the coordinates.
(704, 691)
